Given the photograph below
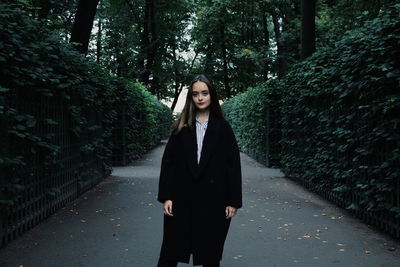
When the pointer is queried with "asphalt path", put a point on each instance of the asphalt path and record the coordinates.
(119, 223)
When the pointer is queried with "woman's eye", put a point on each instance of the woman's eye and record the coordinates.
(194, 94)
(205, 93)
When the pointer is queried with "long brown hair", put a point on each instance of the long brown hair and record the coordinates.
(188, 113)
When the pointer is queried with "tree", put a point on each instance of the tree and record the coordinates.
(83, 24)
(307, 27)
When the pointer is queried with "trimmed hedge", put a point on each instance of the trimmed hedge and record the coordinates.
(339, 117)
(254, 118)
(142, 122)
(57, 116)
(47, 87)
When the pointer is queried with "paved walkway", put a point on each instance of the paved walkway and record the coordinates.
(119, 223)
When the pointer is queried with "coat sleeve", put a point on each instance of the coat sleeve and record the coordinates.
(167, 171)
(235, 172)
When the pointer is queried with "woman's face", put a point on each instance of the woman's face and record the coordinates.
(201, 95)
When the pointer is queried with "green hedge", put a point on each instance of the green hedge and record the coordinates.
(142, 122)
(340, 117)
(340, 122)
(45, 88)
(254, 117)
(57, 116)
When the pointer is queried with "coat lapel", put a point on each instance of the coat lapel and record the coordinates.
(190, 147)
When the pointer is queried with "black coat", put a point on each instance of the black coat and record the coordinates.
(199, 192)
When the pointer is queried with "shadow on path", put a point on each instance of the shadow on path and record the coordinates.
(119, 223)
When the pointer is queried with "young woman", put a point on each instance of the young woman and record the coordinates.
(200, 181)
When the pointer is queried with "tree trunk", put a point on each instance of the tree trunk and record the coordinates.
(266, 41)
(144, 41)
(149, 44)
(152, 51)
(224, 58)
(178, 85)
(281, 53)
(252, 24)
(44, 7)
(99, 43)
(83, 24)
(209, 53)
(307, 28)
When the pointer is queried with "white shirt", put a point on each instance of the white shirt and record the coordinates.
(201, 128)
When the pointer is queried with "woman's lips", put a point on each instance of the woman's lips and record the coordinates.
(202, 103)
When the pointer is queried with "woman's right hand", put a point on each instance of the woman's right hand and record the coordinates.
(168, 208)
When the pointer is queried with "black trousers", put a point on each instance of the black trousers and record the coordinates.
(169, 263)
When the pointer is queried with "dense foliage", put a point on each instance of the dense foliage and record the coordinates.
(238, 44)
(253, 116)
(143, 41)
(54, 103)
(243, 43)
(340, 115)
(142, 121)
(339, 112)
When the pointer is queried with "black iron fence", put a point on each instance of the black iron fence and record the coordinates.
(347, 154)
(55, 170)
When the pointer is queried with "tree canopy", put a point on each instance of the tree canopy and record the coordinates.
(238, 44)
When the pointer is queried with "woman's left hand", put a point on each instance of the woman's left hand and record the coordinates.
(230, 212)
